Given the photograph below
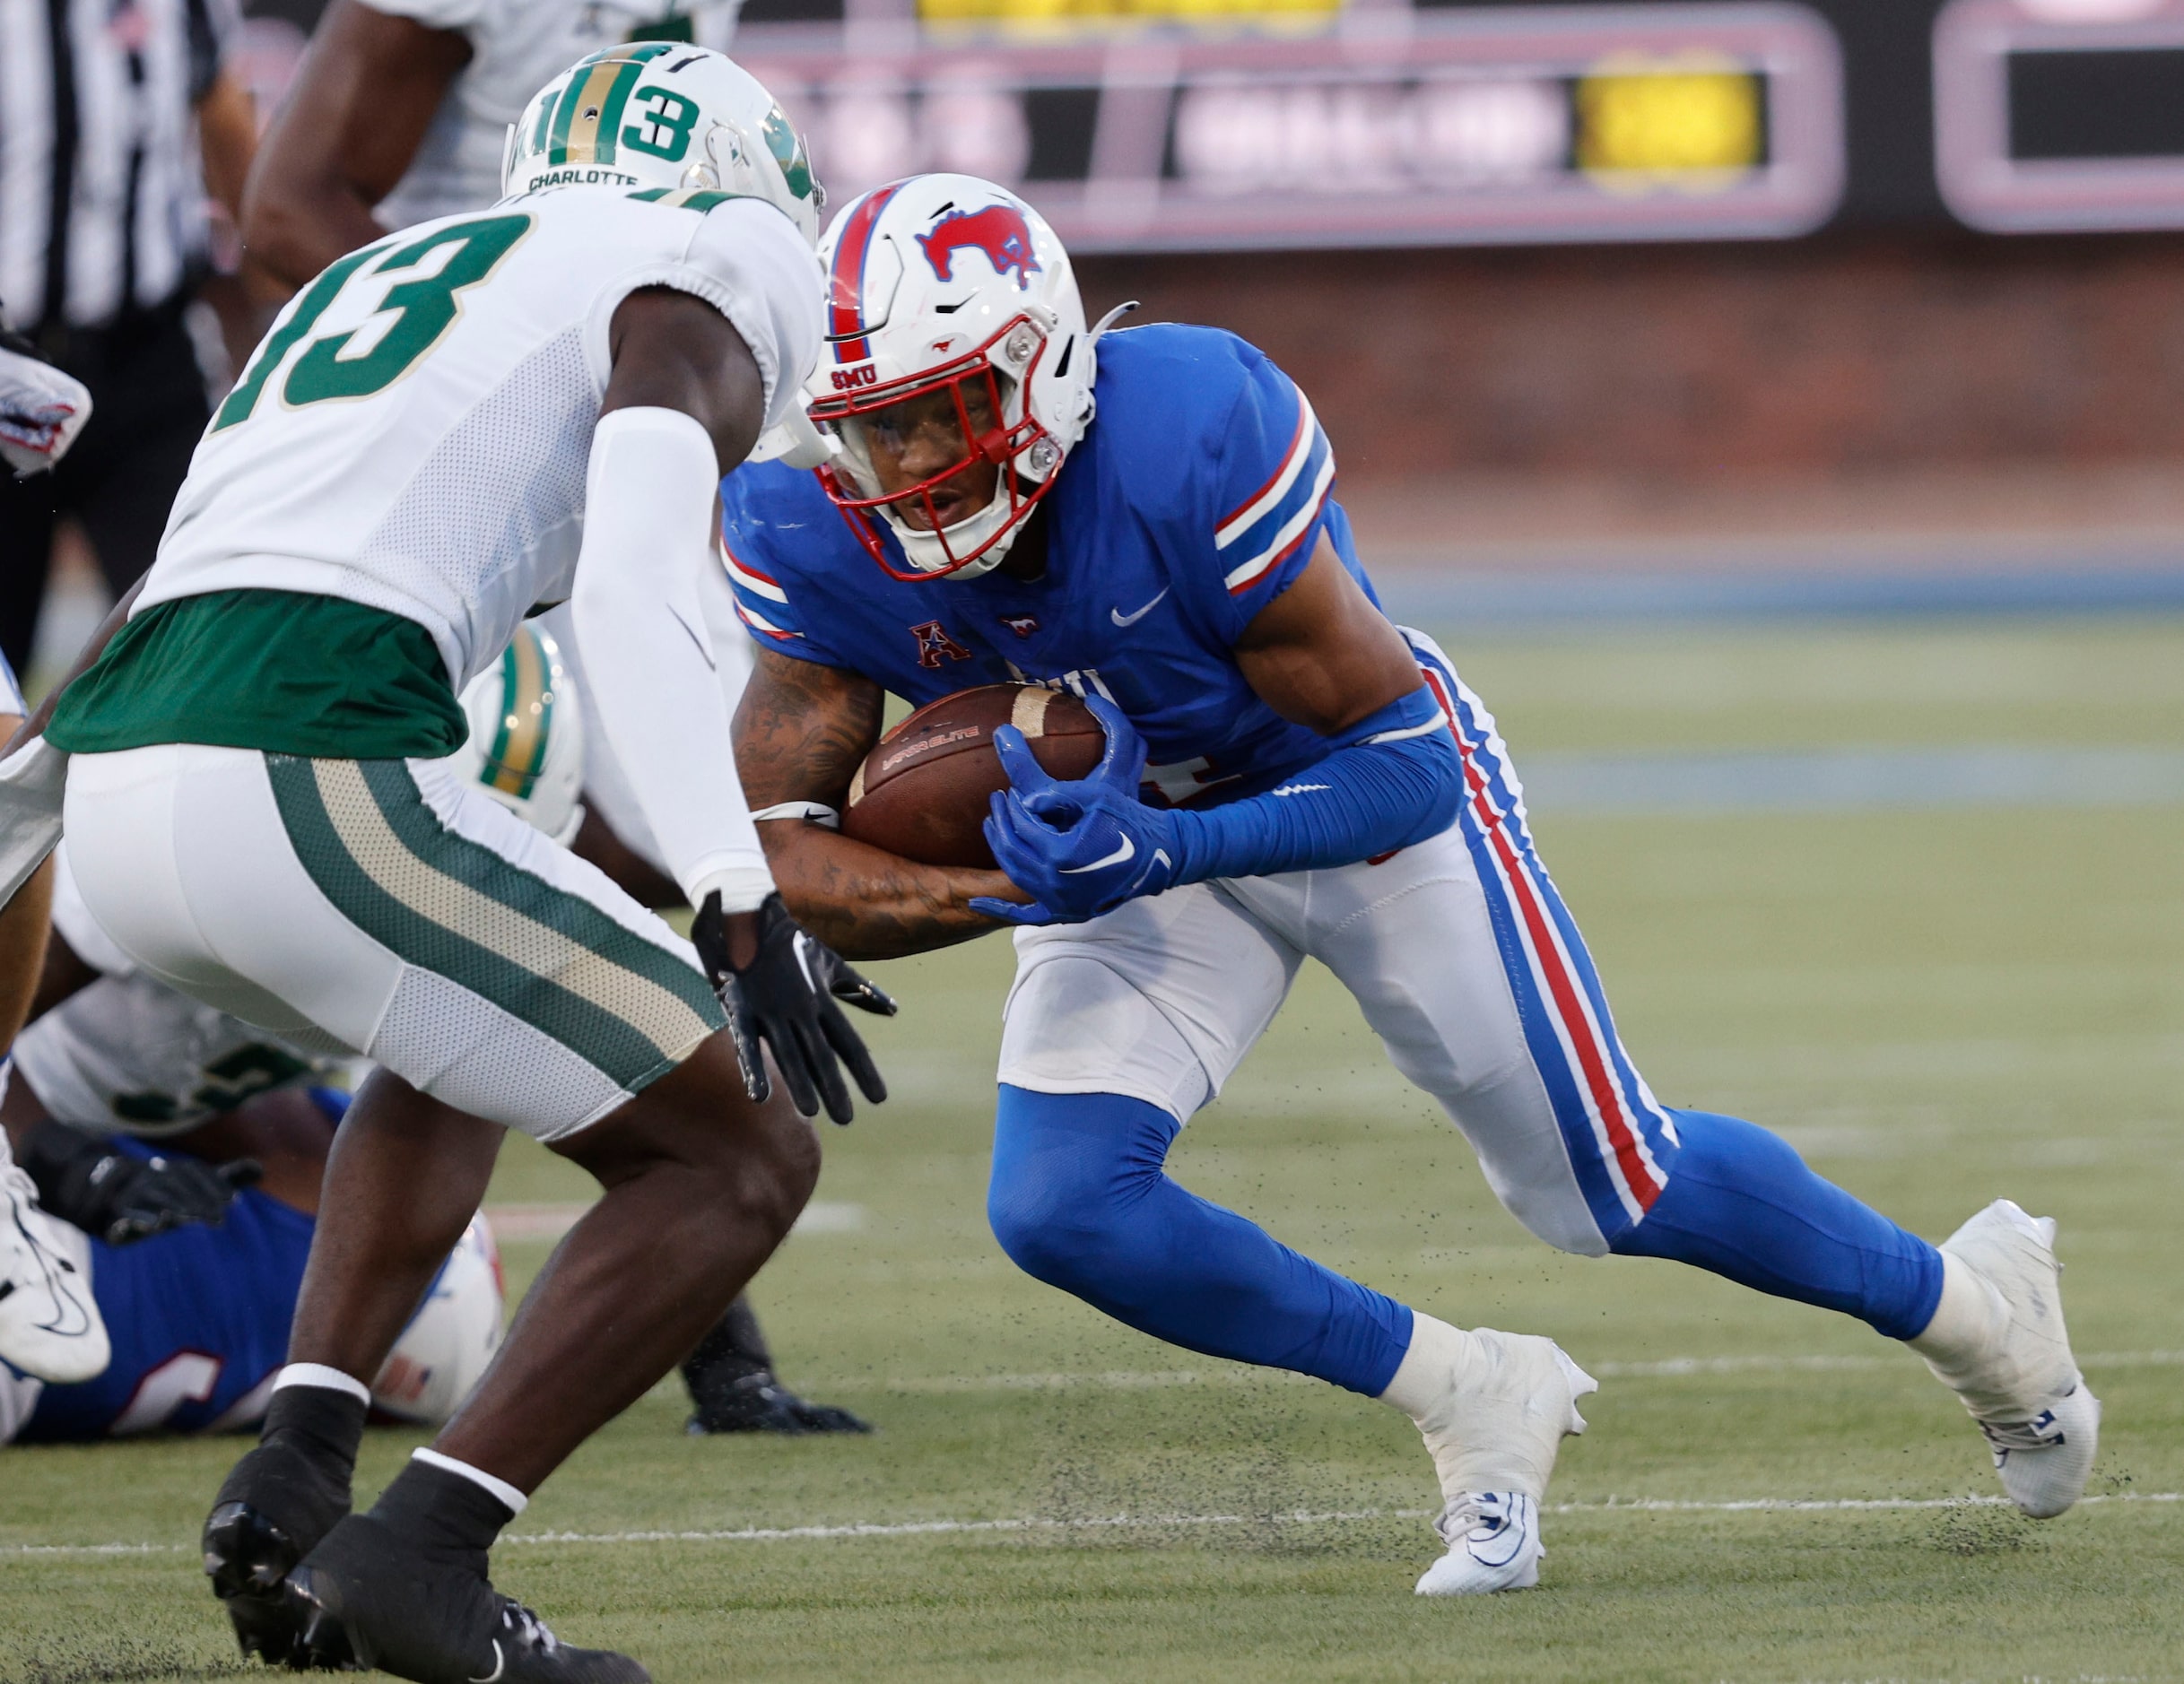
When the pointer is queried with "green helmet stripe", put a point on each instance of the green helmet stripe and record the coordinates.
(588, 120)
(564, 110)
(610, 111)
(518, 754)
(577, 139)
(497, 756)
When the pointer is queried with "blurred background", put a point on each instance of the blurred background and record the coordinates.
(1776, 408)
(1624, 314)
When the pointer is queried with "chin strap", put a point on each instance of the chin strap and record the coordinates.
(924, 550)
(794, 439)
(1109, 319)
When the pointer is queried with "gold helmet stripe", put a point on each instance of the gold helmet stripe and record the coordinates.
(518, 754)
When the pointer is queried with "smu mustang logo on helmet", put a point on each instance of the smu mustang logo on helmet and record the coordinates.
(998, 231)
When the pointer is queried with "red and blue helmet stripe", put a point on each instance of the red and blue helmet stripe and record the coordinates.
(845, 325)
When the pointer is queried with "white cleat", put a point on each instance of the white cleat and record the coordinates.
(1494, 1545)
(1494, 1433)
(2016, 1377)
(50, 1327)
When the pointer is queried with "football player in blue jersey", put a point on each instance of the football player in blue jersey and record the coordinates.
(198, 1311)
(1146, 519)
(49, 1323)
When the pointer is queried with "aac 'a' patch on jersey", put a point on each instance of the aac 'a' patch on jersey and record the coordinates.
(1200, 492)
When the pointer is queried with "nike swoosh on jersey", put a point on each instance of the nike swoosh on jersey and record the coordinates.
(1128, 850)
(1121, 618)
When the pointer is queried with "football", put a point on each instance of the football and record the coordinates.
(922, 792)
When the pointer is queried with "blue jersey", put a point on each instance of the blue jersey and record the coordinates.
(1196, 497)
(199, 1318)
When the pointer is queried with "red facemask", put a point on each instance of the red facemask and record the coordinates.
(967, 380)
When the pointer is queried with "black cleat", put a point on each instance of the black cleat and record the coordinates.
(733, 1389)
(369, 1597)
(273, 1509)
(246, 1556)
(754, 1401)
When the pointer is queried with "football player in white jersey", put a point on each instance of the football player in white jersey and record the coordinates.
(444, 428)
(398, 115)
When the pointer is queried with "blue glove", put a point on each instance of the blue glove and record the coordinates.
(1084, 847)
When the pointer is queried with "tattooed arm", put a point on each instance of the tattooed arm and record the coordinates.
(800, 732)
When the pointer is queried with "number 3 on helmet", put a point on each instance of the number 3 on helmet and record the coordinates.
(948, 283)
(662, 114)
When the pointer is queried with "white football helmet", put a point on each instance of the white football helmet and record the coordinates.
(443, 1352)
(526, 734)
(948, 283)
(667, 116)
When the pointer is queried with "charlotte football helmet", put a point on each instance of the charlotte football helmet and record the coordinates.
(948, 283)
(526, 734)
(443, 1352)
(667, 116)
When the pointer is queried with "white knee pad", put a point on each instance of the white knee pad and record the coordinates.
(1074, 1025)
(1543, 1205)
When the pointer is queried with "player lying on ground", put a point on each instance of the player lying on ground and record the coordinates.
(199, 1311)
(49, 1325)
(446, 428)
(1174, 556)
(50, 1328)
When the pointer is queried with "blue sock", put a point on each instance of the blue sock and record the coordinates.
(1741, 1203)
(1079, 1200)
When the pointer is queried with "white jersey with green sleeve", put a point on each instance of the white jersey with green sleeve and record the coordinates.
(516, 48)
(414, 434)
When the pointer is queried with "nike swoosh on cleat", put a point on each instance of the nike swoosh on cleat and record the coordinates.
(1128, 850)
(1121, 618)
(500, 1666)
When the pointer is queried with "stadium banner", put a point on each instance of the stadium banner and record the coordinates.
(1377, 126)
(2060, 115)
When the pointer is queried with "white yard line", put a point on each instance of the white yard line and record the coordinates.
(1664, 1368)
(1042, 1523)
(1671, 1367)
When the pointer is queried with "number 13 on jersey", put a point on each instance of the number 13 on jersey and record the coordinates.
(413, 313)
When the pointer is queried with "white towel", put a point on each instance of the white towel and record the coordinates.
(32, 781)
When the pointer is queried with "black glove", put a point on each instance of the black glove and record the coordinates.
(783, 994)
(120, 1198)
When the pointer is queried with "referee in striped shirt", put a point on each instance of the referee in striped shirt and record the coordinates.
(105, 108)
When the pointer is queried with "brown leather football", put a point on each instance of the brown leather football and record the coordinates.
(922, 792)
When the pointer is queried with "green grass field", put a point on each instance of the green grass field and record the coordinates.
(1938, 1008)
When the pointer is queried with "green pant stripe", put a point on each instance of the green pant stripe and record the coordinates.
(395, 886)
(478, 867)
